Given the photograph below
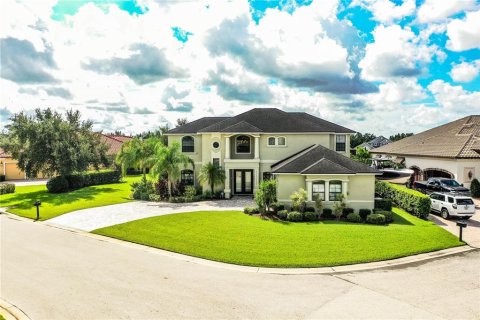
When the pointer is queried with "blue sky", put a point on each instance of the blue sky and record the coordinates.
(380, 66)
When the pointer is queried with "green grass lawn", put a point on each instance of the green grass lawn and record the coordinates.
(55, 204)
(234, 237)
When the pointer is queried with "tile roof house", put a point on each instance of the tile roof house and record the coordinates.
(114, 142)
(450, 150)
(298, 149)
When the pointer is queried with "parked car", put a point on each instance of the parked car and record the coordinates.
(441, 185)
(452, 205)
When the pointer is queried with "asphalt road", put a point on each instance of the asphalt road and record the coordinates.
(52, 273)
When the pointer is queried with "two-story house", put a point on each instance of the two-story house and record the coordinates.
(298, 149)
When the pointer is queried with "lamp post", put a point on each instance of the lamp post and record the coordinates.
(37, 204)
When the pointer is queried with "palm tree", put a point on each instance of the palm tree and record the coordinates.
(138, 153)
(168, 160)
(211, 174)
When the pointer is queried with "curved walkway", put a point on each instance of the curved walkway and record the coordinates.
(99, 217)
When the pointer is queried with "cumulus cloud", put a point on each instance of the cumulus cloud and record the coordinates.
(386, 11)
(434, 10)
(22, 63)
(174, 99)
(465, 71)
(464, 34)
(455, 98)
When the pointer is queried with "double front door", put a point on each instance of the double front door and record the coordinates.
(243, 181)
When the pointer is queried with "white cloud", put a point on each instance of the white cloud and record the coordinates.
(464, 71)
(455, 99)
(386, 11)
(435, 10)
(464, 34)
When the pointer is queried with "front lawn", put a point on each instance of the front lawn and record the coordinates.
(55, 204)
(234, 237)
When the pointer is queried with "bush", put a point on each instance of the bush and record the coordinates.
(376, 218)
(75, 181)
(387, 214)
(327, 214)
(474, 188)
(346, 212)
(354, 217)
(57, 185)
(414, 202)
(102, 177)
(190, 193)
(176, 199)
(282, 214)
(299, 200)
(383, 204)
(294, 216)
(339, 206)
(2, 177)
(275, 207)
(7, 188)
(142, 190)
(310, 216)
(309, 209)
(154, 197)
(266, 195)
(249, 210)
(364, 213)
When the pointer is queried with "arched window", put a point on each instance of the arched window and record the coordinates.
(335, 190)
(318, 190)
(188, 144)
(186, 177)
(242, 144)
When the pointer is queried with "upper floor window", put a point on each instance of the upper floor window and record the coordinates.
(216, 162)
(271, 141)
(186, 177)
(318, 190)
(188, 144)
(242, 144)
(335, 190)
(277, 141)
(340, 143)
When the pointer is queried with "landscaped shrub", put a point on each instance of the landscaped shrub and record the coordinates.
(102, 177)
(295, 216)
(310, 216)
(299, 200)
(7, 188)
(354, 217)
(57, 185)
(474, 188)
(275, 207)
(383, 204)
(75, 181)
(318, 204)
(346, 212)
(309, 209)
(190, 193)
(412, 201)
(249, 210)
(266, 195)
(154, 197)
(387, 214)
(142, 190)
(282, 214)
(2, 177)
(339, 206)
(161, 188)
(376, 218)
(364, 213)
(327, 214)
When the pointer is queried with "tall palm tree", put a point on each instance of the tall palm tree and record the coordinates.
(211, 174)
(138, 153)
(169, 159)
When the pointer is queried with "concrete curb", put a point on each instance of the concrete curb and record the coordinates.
(393, 263)
(11, 312)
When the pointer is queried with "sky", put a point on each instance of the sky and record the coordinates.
(379, 66)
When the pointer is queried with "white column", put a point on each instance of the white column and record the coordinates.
(227, 190)
(345, 188)
(227, 147)
(309, 190)
(327, 190)
(257, 147)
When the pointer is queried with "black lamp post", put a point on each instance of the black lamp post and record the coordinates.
(461, 225)
(37, 204)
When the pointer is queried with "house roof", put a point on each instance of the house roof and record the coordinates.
(262, 120)
(3, 154)
(318, 159)
(375, 143)
(457, 139)
(113, 142)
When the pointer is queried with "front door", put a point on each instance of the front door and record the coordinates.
(243, 181)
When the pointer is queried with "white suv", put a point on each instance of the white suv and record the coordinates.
(452, 205)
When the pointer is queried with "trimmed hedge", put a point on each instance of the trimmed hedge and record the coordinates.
(310, 216)
(475, 188)
(7, 188)
(354, 217)
(346, 212)
(364, 213)
(295, 216)
(327, 214)
(387, 214)
(414, 202)
(282, 214)
(376, 218)
(61, 184)
(383, 204)
(57, 184)
(103, 177)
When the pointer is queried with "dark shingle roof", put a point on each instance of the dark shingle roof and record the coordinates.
(456, 139)
(321, 160)
(263, 120)
(375, 143)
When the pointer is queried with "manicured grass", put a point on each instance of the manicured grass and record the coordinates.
(234, 237)
(21, 202)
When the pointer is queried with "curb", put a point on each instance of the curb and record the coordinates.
(386, 264)
(11, 312)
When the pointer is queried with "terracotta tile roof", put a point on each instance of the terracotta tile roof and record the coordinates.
(114, 143)
(457, 139)
(3, 154)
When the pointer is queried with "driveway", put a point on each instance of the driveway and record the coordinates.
(471, 234)
(99, 217)
(52, 273)
(20, 183)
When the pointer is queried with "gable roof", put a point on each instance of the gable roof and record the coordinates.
(318, 159)
(113, 142)
(262, 120)
(457, 139)
(375, 143)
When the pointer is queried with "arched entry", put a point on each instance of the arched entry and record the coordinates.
(417, 173)
(437, 173)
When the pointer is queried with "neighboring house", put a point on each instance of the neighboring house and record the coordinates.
(300, 150)
(375, 143)
(114, 143)
(451, 150)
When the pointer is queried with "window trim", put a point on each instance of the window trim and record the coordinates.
(319, 182)
(249, 145)
(276, 145)
(344, 143)
(193, 144)
(334, 183)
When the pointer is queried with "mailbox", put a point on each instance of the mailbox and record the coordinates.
(462, 225)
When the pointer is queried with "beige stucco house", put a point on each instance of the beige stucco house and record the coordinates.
(298, 149)
(451, 150)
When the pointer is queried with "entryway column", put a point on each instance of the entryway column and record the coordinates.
(257, 147)
(227, 147)
(345, 188)
(309, 190)
(327, 190)
(227, 190)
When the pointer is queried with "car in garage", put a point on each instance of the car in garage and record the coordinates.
(449, 205)
(441, 185)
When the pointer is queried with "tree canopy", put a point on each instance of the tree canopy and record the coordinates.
(49, 143)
